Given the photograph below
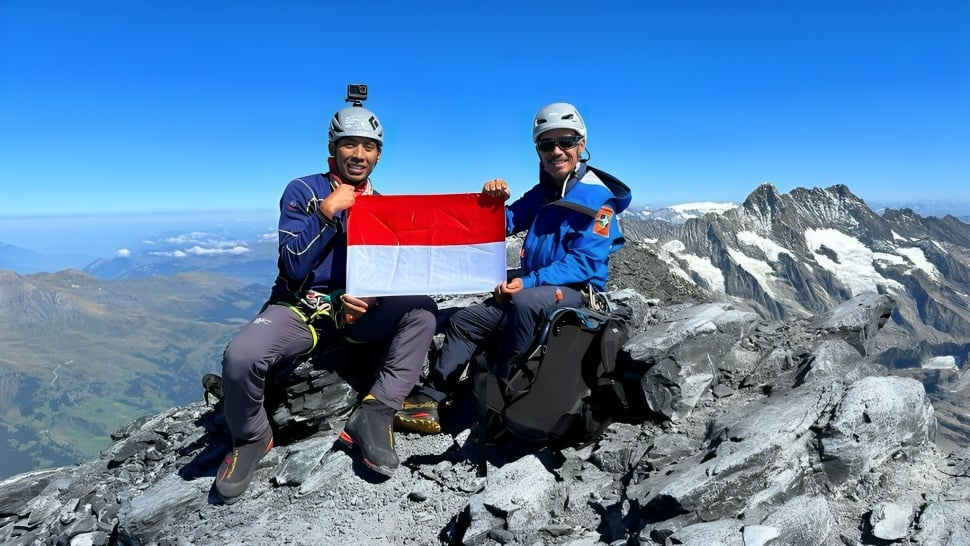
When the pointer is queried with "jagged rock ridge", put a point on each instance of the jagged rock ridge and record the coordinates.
(800, 253)
(756, 432)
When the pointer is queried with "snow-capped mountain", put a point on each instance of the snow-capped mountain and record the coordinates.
(799, 253)
(678, 214)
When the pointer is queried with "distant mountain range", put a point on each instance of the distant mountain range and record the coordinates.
(939, 208)
(678, 214)
(250, 262)
(803, 252)
(22, 260)
(253, 263)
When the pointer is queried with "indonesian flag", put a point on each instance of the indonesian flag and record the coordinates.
(425, 244)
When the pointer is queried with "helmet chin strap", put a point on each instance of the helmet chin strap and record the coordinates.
(572, 173)
(561, 183)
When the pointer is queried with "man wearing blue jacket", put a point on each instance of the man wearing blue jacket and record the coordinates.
(308, 307)
(570, 216)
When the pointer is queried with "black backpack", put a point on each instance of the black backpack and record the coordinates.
(568, 390)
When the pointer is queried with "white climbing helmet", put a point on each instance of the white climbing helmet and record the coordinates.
(558, 115)
(356, 121)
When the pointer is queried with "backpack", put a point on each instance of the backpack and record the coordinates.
(568, 390)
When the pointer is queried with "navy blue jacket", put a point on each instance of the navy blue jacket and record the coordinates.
(313, 248)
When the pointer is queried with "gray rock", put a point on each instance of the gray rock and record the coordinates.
(877, 417)
(724, 532)
(695, 321)
(516, 499)
(810, 440)
(759, 535)
(41, 509)
(758, 453)
(858, 320)
(300, 462)
(944, 523)
(667, 448)
(890, 520)
(19, 490)
(170, 500)
(805, 520)
(681, 355)
(619, 449)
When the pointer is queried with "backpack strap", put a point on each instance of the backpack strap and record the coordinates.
(615, 334)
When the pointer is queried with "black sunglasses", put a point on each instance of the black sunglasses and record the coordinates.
(564, 142)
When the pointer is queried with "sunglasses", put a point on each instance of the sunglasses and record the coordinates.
(564, 143)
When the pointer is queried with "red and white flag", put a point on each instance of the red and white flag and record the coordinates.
(425, 244)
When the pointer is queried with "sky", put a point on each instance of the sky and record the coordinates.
(121, 107)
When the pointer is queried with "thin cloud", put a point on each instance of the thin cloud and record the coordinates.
(199, 251)
(172, 254)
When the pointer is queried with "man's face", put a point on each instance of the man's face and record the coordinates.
(356, 157)
(556, 160)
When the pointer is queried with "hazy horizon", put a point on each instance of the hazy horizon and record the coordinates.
(77, 241)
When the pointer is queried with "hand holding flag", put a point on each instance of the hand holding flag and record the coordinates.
(425, 244)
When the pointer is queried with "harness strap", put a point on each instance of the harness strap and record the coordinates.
(308, 319)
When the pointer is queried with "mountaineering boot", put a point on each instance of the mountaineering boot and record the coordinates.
(237, 469)
(212, 385)
(419, 414)
(370, 428)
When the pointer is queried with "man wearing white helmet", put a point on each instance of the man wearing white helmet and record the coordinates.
(308, 308)
(570, 220)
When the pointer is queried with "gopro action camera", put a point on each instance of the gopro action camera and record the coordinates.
(356, 93)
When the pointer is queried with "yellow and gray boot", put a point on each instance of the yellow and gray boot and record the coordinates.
(418, 414)
(371, 428)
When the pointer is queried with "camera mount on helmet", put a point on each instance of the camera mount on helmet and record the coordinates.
(355, 120)
(356, 93)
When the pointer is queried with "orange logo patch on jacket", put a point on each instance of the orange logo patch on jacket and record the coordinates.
(601, 225)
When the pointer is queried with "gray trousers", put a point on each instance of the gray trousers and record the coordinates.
(273, 342)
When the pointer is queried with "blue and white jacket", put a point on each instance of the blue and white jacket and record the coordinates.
(570, 234)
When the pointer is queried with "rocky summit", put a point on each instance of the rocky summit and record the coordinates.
(758, 432)
(745, 428)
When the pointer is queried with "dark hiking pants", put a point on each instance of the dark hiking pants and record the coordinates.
(273, 342)
(518, 320)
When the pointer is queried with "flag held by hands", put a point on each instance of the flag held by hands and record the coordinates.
(425, 244)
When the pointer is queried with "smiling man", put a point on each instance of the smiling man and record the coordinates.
(570, 219)
(308, 307)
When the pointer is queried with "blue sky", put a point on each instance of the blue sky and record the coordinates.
(149, 106)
